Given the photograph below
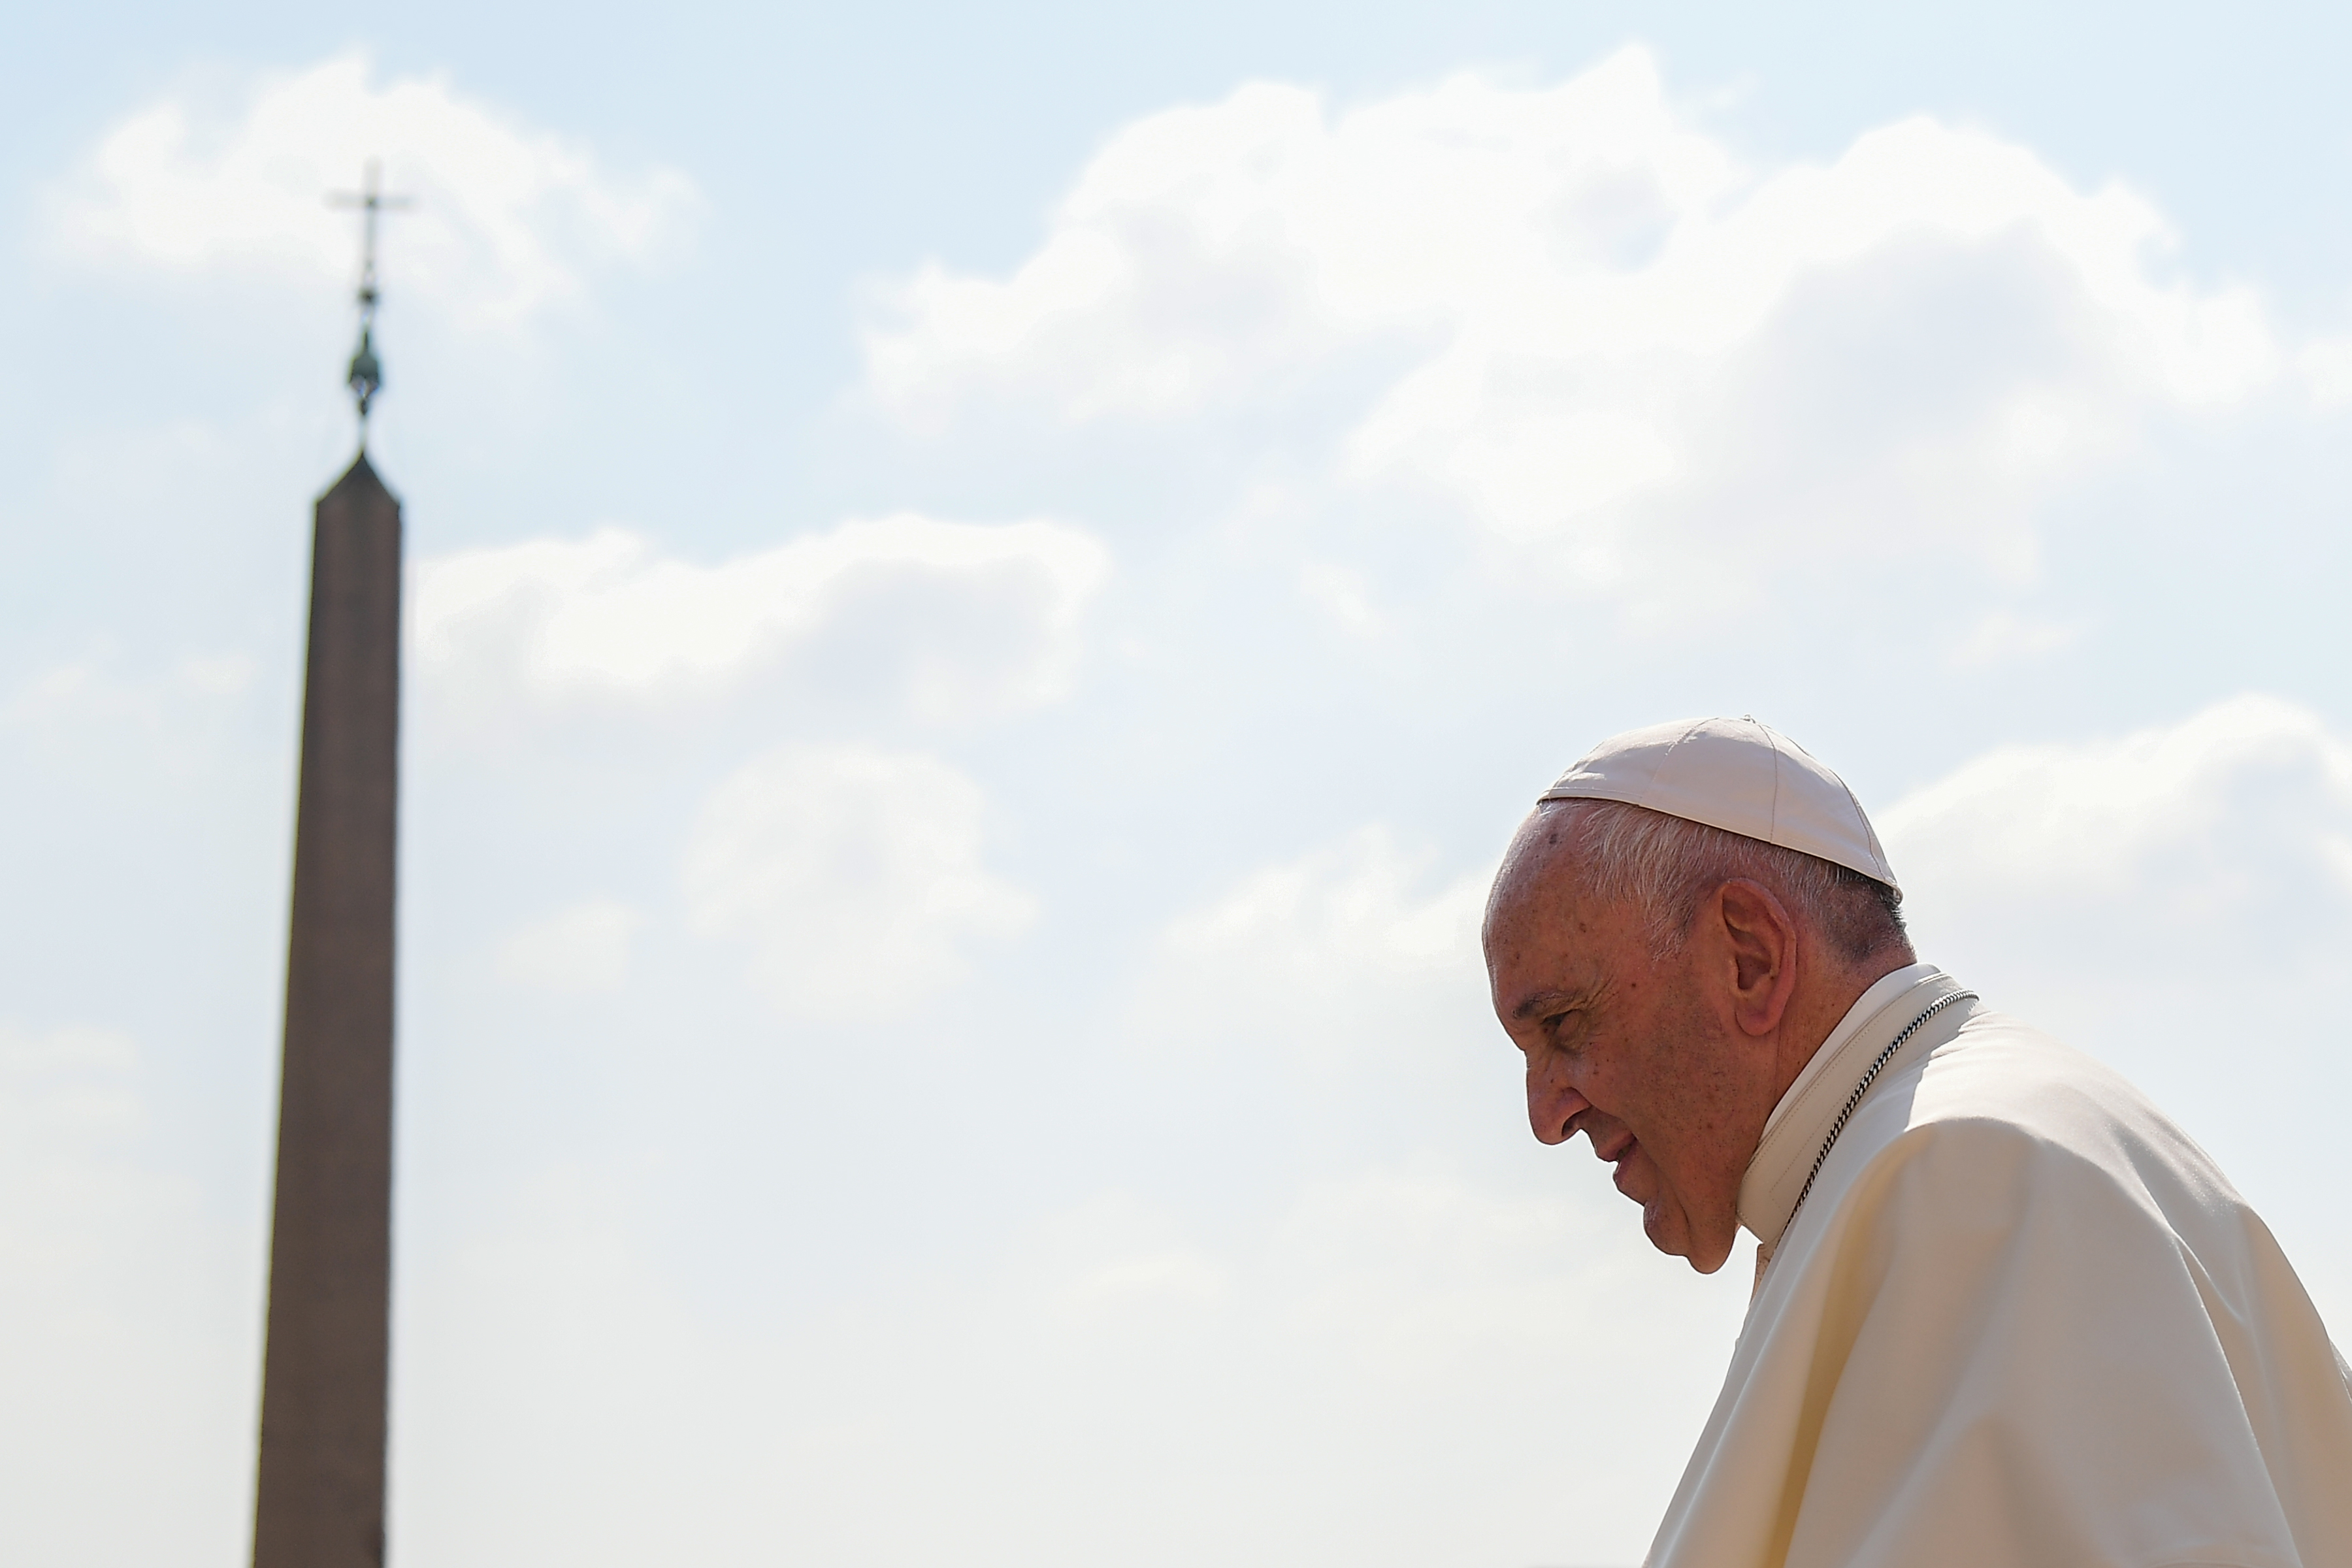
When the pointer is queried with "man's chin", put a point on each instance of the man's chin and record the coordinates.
(1662, 1224)
(1669, 1231)
(1662, 1220)
(1706, 1265)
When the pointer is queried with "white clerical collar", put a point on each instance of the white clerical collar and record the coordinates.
(1798, 1125)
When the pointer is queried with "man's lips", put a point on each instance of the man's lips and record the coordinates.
(1619, 1151)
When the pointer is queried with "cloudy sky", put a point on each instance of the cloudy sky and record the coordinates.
(985, 589)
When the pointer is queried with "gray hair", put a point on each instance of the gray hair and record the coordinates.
(1665, 866)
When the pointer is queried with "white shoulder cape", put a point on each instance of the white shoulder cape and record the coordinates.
(2020, 1319)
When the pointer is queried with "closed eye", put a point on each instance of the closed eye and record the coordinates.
(1565, 1030)
(1549, 1010)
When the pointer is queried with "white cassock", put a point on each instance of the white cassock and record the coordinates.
(2020, 1319)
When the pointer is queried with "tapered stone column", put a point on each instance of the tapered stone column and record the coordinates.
(320, 1496)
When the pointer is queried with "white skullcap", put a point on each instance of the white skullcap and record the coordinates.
(1737, 775)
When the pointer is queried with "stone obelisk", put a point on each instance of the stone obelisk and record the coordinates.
(319, 1497)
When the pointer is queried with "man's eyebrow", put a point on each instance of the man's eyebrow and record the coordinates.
(1543, 1001)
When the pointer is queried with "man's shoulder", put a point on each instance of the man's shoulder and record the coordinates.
(2001, 1068)
(2000, 1084)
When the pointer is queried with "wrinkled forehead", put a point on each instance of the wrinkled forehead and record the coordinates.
(1542, 876)
(1547, 934)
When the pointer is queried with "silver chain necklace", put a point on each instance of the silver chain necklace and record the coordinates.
(1893, 1046)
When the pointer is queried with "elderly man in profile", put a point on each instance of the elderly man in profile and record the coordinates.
(2005, 1312)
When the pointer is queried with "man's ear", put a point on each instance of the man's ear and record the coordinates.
(1761, 939)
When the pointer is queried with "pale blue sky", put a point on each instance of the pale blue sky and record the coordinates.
(976, 637)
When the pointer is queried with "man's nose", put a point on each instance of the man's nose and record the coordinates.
(1553, 1107)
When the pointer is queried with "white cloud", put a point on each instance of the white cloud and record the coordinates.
(2326, 367)
(1343, 595)
(855, 874)
(75, 1081)
(1341, 951)
(2177, 901)
(85, 691)
(578, 949)
(93, 716)
(970, 619)
(1372, 1369)
(507, 217)
(1614, 340)
(1208, 252)
(1422, 1273)
(2232, 805)
(1113, 1258)
(132, 1346)
(2002, 635)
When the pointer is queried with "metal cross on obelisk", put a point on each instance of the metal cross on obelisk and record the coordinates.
(366, 378)
(319, 1497)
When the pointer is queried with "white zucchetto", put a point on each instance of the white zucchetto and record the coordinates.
(1737, 775)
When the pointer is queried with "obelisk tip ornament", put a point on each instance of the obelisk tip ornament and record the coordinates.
(319, 1497)
(366, 377)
